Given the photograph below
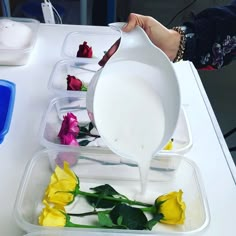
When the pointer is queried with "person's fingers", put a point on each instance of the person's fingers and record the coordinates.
(109, 53)
(132, 22)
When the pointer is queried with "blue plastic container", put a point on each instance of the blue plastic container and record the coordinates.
(7, 99)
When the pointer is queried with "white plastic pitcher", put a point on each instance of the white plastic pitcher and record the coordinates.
(136, 57)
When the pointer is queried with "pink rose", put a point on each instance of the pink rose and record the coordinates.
(85, 50)
(69, 139)
(73, 83)
(69, 129)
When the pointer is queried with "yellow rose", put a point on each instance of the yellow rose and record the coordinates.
(172, 207)
(56, 216)
(169, 145)
(52, 216)
(62, 187)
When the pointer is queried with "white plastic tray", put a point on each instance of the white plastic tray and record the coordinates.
(59, 107)
(167, 173)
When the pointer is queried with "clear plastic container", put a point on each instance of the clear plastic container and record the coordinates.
(99, 40)
(81, 68)
(16, 57)
(167, 173)
(59, 107)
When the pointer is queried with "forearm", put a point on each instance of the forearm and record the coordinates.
(211, 37)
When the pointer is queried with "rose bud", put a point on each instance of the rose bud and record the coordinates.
(84, 50)
(73, 83)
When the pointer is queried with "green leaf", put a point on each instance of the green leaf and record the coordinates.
(98, 202)
(106, 189)
(90, 126)
(84, 142)
(154, 221)
(119, 220)
(132, 218)
(84, 88)
(81, 135)
(83, 129)
(103, 191)
(83, 132)
(104, 220)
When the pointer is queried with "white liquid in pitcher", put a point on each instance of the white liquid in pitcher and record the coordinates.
(129, 114)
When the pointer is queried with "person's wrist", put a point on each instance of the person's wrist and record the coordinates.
(181, 42)
(173, 44)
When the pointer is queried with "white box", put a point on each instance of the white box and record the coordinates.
(17, 57)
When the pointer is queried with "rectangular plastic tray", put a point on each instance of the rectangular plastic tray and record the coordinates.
(59, 107)
(99, 41)
(167, 173)
(81, 68)
(17, 57)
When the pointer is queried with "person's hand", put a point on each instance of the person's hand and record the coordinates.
(166, 39)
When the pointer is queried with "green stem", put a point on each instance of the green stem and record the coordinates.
(151, 209)
(89, 213)
(70, 224)
(129, 202)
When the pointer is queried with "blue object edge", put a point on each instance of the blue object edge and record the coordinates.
(7, 107)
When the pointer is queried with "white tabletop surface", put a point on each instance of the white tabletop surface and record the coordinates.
(209, 150)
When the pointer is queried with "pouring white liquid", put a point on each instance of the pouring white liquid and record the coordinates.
(129, 114)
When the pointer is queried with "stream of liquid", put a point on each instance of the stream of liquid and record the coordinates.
(129, 114)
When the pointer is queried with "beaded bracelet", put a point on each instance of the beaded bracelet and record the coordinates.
(180, 53)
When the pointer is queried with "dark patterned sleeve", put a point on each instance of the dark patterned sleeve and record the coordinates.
(211, 37)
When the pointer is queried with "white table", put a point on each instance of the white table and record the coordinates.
(209, 150)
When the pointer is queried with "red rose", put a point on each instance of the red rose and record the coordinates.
(73, 83)
(85, 50)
